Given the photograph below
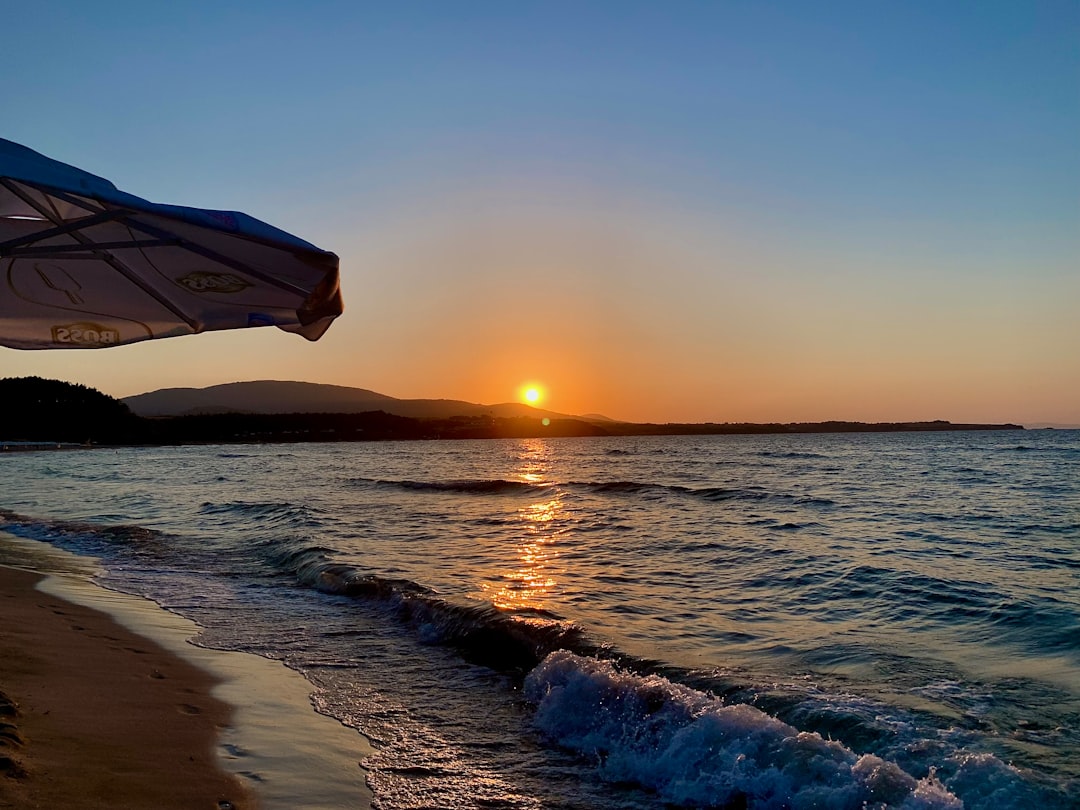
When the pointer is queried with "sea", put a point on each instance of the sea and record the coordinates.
(864, 620)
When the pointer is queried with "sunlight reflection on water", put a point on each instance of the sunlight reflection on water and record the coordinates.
(528, 585)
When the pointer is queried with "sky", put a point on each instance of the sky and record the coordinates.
(657, 211)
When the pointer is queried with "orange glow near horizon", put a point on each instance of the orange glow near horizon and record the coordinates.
(650, 319)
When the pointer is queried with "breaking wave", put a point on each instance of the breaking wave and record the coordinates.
(694, 749)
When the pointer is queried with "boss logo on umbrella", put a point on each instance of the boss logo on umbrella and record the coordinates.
(85, 334)
(214, 282)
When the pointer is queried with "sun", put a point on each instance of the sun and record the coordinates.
(532, 393)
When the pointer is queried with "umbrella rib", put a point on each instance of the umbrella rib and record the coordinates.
(47, 251)
(60, 230)
(206, 253)
(110, 260)
(214, 256)
(92, 205)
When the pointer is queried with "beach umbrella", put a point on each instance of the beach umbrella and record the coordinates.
(85, 265)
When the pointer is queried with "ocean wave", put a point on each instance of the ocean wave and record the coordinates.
(716, 494)
(272, 513)
(95, 476)
(1054, 449)
(788, 454)
(695, 750)
(495, 486)
(501, 486)
(501, 639)
(995, 614)
(1050, 626)
(77, 535)
(291, 557)
(483, 634)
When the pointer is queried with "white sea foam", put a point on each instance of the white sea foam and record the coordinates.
(691, 749)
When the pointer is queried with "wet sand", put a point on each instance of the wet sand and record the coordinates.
(105, 718)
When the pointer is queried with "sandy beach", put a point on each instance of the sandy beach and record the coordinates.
(117, 707)
(97, 716)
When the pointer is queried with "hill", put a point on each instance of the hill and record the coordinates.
(279, 397)
(34, 409)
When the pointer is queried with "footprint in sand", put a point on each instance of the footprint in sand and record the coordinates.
(12, 767)
(9, 735)
(8, 707)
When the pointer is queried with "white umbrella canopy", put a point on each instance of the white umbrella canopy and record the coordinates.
(85, 265)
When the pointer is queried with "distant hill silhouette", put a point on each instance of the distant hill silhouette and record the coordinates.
(278, 397)
(40, 412)
(34, 409)
(274, 397)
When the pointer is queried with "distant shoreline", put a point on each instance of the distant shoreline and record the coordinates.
(381, 426)
(760, 428)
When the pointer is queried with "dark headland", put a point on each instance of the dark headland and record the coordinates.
(40, 411)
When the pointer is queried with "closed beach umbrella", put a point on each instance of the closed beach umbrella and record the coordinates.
(85, 265)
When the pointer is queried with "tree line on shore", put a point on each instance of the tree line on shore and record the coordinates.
(39, 410)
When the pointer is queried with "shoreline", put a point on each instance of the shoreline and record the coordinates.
(344, 431)
(263, 745)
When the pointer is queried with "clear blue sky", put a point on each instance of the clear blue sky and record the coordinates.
(665, 211)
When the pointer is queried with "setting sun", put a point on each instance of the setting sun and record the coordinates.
(531, 394)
